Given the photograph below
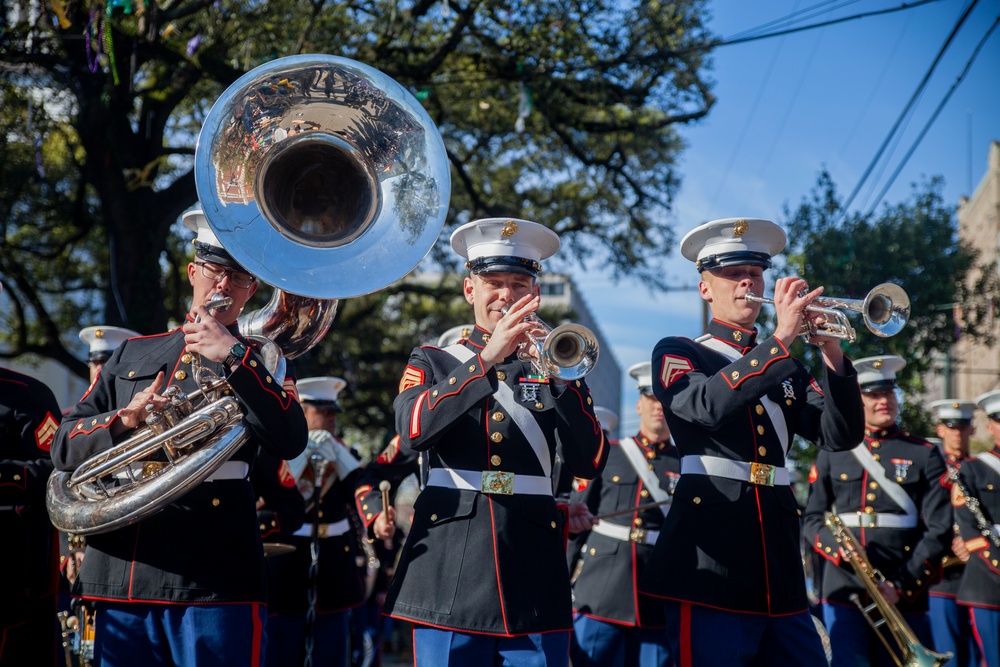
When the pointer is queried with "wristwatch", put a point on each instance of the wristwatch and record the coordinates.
(236, 353)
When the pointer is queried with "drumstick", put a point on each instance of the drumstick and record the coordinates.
(632, 509)
(383, 486)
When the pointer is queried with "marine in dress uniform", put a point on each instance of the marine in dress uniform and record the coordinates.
(614, 625)
(891, 490)
(186, 585)
(297, 623)
(980, 588)
(29, 415)
(951, 626)
(727, 559)
(483, 571)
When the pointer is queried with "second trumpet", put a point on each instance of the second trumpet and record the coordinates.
(885, 311)
(567, 352)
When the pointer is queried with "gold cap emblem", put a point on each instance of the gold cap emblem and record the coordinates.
(99, 333)
(509, 229)
(740, 228)
(877, 364)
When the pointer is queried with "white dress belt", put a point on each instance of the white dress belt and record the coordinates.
(228, 470)
(625, 533)
(878, 520)
(762, 474)
(490, 481)
(324, 529)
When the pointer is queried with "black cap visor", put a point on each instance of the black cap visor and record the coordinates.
(742, 258)
(878, 385)
(527, 267)
(219, 256)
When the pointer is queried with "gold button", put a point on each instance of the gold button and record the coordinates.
(131, 373)
(434, 517)
(644, 493)
(17, 477)
(553, 524)
(268, 379)
(989, 487)
(906, 548)
(760, 429)
(321, 514)
(754, 363)
(472, 369)
(180, 375)
(774, 350)
(589, 400)
(263, 526)
(762, 450)
(452, 380)
(593, 551)
(495, 460)
(876, 457)
(843, 475)
(434, 393)
(283, 394)
(650, 466)
(186, 358)
(869, 510)
(735, 375)
(215, 502)
(788, 401)
(870, 497)
(365, 507)
(650, 455)
(876, 444)
(347, 550)
(696, 500)
(501, 376)
(577, 383)
(759, 409)
(93, 423)
(107, 419)
(986, 554)
(616, 478)
(919, 582)
(539, 405)
(638, 521)
(873, 485)
(927, 571)
(253, 363)
(828, 550)
(498, 416)
(368, 516)
(994, 562)
(496, 437)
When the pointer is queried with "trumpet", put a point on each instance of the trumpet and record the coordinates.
(567, 352)
(885, 311)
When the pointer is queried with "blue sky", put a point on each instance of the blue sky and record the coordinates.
(790, 106)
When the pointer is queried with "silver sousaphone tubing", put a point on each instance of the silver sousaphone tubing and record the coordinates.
(324, 178)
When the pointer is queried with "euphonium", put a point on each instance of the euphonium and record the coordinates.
(324, 178)
(908, 651)
(885, 311)
(567, 352)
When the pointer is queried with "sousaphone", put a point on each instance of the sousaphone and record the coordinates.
(325, 179)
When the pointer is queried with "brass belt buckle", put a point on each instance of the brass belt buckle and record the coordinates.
(637, 535)
(496, 481)
(761, 474)
(867, 520)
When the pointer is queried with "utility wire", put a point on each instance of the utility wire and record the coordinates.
(934, 116)
(907, 108)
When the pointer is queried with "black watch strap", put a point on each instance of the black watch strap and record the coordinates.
(236, 353)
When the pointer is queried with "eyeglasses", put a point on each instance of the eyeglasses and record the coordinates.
(217, 274)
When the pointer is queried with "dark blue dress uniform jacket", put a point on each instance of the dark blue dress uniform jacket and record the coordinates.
(981, 583)
(487, 563)
(609, 569)
(953, 569)
(908, 557)
(340, 582)
(29, 417)
(728, 543)
(206, 547)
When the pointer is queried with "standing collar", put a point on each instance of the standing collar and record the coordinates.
(882, 433)
(479, 337)
(738, 337)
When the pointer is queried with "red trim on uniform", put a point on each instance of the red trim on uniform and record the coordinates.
(686, 659)
(757, 372)
(479, 364)
(496, 566)
(415, 416)
(20, 486)
(815, 386)
(94, 423)
(290, 388)
(286, 402)
(412, 377)
(635, 562)
(391, 451)
(258, 633)
(763, 548)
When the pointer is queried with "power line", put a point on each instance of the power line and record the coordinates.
(907, 109)
(934, 116)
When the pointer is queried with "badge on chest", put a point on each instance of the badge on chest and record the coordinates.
(530, 390)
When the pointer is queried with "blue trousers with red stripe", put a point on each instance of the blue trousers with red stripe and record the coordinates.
(433, 647)
(986, 626)
(951, 627)
(151, 635)
(707, 637)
